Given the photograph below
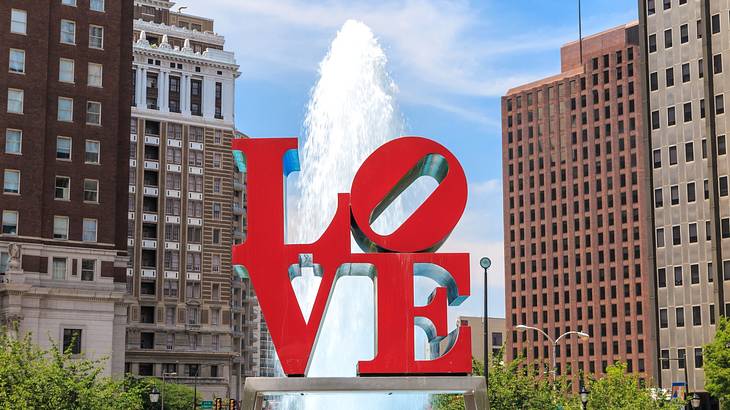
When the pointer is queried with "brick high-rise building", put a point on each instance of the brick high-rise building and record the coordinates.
(577, 210)
(687, 44)
(186, 206)
(64, 120)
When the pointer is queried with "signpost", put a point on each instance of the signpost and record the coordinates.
(206, 404)
(393, 259)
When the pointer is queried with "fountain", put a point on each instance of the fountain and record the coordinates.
(352, 112)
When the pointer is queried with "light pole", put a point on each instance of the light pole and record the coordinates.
(486, 263)
(582, 335)
(154, 395)
(584, 396)
(162, 394)
(686, 373)
(696, 401)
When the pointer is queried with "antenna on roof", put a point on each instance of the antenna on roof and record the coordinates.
(580, 34)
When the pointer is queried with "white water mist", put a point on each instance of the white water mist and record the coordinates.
(352, 112)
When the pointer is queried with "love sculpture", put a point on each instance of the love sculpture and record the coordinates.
(391, 261)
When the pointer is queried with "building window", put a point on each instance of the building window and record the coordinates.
(69, 2)
(192, 289)
(663, 321)
(18, 21)
(691, 192)
(655, 120)
(91, 191)
(63, 188)
(696, 316)
(217, 211)
(193, 262)
(715, 24)
(13, 141)
(217, 185)
(719, 104)
(680, 316)
(216, 236)
(59, 268)
(15, 101)
(65, 109)
(216, 160)
(669, 77)
(89, 230)
(66, 70)
(60, 227)
(652, 43)
(96, 5)
(88, 268)
(91, 156)
(662, 277)
(721, 145)
(665, 359)
(170, 288)
(668, 38)
(657, 158)
(683, 34)
(63, 148)
(218, 100)
(215, 263)
(674, 194)
(96, 37)
(11, 182)
(16, 62)
(68, 32)
(699, 361)
(94, 77)
(215, 316)
(93, 113)
(693, 233)
(717, 63)
(653, 81)
(723, 185)
(174, 94)
(10, 222)
(196, 97)
(660, 237)
(678, 277)
(72, 341)
(671, 116)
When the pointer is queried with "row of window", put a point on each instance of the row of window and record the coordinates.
(14, 145)
(669, 75)
(10, 221)
(692, 233)
(689, 152)
(667, 4)
(16, 103)
(190, 370)
(671, 117)
(679, 315)
(681, 359)
(19, 25)
(66, 69)
(694, 270)
(94, 5)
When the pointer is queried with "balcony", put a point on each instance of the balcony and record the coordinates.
(151, 165)
(149, 273)
(174, 168)
(197, 196)
(171, 142)
(132, 163)
(151, 191)
(152, 140)
(195, 170)
(130, 216)
(172, 246)
(172, 193)
(196, 146)
(237, 234)
(195, 221)
(149, 244)
(193, 247)
(172, 219)
(237, 209)
(149, 217)
(238, 186)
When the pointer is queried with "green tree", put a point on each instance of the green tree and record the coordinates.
(512, 386)
(36, 378)
(177, 396)
(618, 389)
(717, 364)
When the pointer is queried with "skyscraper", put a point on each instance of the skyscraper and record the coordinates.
(186, 204)
(64, 120)
(687, 44)
(577, 209)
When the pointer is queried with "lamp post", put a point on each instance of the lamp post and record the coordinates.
(582, 335)
(584, 397)
(162, 394)
(485, 263)
(696, 401)
(686, 373)
(154, 395)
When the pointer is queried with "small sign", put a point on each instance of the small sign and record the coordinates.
(679, 390)
(206, 404)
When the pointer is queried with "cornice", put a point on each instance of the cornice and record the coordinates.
(179, 32)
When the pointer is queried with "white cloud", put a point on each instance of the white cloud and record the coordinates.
(439, 50)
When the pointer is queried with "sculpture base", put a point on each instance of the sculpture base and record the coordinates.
(473, 388)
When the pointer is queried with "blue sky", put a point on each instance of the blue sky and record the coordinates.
(452, 60)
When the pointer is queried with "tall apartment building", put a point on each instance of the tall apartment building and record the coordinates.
(687, 45)
(64, 117)
(577, 210)
(185, 206)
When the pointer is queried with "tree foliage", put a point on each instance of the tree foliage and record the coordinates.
(177, 396)
(618, 389)
(34, 378)
(717, 364)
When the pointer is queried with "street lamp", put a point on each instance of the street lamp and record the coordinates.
(162, 395)
(154, 395)
(695, 401)
(485, 263)
(584, 396)
(582, 335)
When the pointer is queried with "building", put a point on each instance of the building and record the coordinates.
(496, 338)
(687, 44)
(64, 108)
(577, 206)
(186, 205)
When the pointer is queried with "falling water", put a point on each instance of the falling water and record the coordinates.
(352, 112)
